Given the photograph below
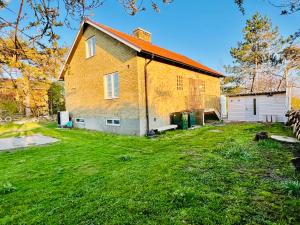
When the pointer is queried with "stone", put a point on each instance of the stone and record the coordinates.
(261, 136)
(285, 139)
(216, 131)
(25, 141)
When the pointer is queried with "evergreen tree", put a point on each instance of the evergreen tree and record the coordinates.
(56, 101)
(255, 55)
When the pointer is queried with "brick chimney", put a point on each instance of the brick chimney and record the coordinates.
(142, 34)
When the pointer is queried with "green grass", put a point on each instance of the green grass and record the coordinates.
(182, 177)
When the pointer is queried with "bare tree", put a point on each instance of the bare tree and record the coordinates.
(29, 36)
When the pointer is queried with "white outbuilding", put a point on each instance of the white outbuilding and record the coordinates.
(259, 106)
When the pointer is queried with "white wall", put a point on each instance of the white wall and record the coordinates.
(241, 108)
(223, 102)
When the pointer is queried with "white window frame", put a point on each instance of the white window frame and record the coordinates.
(79, 120)
(113, 91)
(113, 122)
(90, 47)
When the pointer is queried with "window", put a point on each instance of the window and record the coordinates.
(79, 120)
(113, 122)
(111, 86)
(179, 83)
(254, 106)
(90, 45)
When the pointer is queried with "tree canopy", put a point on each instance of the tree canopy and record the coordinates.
(264, 59)
(29, 38)
(286, 7)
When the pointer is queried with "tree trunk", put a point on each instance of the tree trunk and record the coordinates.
(26, 91)
(284, 78)
(254, 76)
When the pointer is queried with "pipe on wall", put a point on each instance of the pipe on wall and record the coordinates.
(146, 92)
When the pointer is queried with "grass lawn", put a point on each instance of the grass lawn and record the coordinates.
(211, 175)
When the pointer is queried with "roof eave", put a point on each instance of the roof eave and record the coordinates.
(129, 44)
(70, 51)
(134, 47)
(186, 65)
(270, 93)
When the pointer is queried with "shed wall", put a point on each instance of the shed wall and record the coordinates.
(241, 108)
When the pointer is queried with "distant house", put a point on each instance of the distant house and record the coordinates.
(259, 106)
(122, 83)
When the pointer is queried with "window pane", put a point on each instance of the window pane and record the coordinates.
(93, 46)
(108, 86)
(109, 121)
(90, 47)
(117, 122)
(116, 85)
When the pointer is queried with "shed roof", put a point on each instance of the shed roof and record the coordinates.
(268, 93)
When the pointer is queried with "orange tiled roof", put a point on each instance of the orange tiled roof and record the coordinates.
(153, 49)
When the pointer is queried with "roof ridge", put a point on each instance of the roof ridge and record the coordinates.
(155, 49)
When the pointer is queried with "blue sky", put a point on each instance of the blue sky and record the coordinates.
(202, 30)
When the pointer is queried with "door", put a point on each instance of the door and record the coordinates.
(236, 109)
(251, 109)
(196, 97)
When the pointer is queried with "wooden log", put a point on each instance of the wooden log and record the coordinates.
(297, 125)
(293, 120)
(294, 128)
(261, 136)
(297, 132)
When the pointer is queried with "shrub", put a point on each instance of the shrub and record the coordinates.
(292, 187)
(56, 101)
(8, 105)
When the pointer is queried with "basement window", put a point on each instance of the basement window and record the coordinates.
(113, 122)
(179, 83)
(90, 47)
(79, 120)
(111, 85)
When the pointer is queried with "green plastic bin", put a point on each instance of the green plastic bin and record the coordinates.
(180, 119)
(184, 121)
(192, 119)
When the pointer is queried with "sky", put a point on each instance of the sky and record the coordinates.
(203, 30)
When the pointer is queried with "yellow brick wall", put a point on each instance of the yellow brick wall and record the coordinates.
(84, 87)
(84, 84)
(164, 98)
(142, 34)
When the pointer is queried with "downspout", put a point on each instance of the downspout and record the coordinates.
(146, 93)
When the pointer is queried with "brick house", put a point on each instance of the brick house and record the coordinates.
(122, 83)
